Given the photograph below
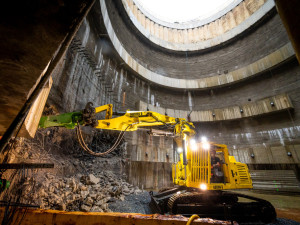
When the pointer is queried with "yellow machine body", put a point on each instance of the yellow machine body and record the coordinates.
(198, 171)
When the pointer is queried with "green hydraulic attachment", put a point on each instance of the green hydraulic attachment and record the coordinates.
(67, 120)
(72, 119)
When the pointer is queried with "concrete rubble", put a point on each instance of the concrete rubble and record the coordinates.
(78, 181)
(87, 193)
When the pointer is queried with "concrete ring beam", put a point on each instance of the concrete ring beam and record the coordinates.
(260, 65)
(261, 107)
(198, 35)
(189, 24)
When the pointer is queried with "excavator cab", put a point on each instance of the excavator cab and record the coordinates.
(208, 166)
(203, 174)
(217, 162)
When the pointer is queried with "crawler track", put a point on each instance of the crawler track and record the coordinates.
(222, 205)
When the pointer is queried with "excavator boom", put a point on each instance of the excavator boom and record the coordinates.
(129, 121)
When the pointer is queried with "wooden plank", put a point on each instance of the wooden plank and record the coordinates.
(170, 112)
(175, 35)
(131, 5)
(143, 20)
(156, 29)
(180, 36)
(194, 116)
(152, 30)
(165, 36)
(147, 25)
(218, 114)
(32, 120)
(161, 32)
(135, 11)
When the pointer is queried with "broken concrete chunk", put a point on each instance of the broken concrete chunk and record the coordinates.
(126, 190)
(93, 196)
(89, 201)
(122, 198)
(96, 209)
(138, 191)
(62, 206)
(89, 180)
(104, 206)
(51, 189)
(85, 208)
(43, 193)
(84, 194)
(83, 188)
(18, 149)
(100, 202)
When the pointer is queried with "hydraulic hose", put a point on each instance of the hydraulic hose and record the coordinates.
(91, 152)
(192, 218)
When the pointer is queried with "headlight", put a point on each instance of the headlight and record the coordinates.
(203, 187)
(203, 139)
(205, 143)
(193, 145)
(206, 146)
(179, 150)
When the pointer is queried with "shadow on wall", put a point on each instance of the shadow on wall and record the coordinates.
(149, 175)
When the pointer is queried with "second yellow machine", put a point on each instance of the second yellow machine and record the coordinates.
(202, 171)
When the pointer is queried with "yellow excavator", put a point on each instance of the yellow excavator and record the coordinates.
(200, 184)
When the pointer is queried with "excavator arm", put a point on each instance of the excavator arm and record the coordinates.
(129, 121)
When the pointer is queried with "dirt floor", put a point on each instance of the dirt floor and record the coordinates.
(287, 206)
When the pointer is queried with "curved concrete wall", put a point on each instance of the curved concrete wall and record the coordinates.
(78, 82)
(262, 107)
(197, 22)
(207, 82)
(199, 34)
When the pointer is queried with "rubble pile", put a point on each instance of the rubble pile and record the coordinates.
(87, 193)
(78, 181)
